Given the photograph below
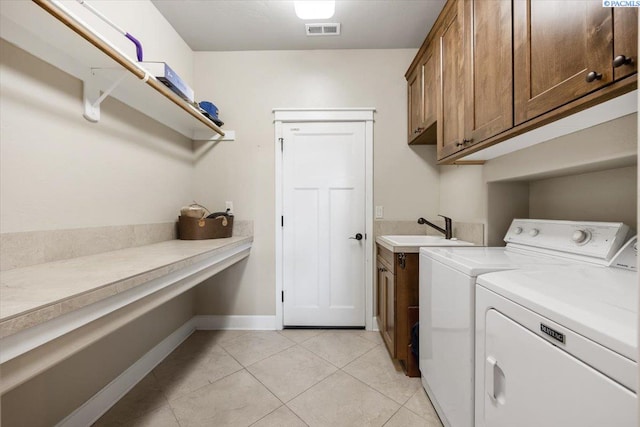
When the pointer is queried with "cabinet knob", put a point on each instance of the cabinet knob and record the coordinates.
(459, 144)
(593, 75)
(467, 141)
(621, 60)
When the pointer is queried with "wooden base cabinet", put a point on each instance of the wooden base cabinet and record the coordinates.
(397, 290)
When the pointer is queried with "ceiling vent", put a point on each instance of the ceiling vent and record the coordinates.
(322, 29)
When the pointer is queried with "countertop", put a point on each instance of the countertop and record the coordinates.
(414, 249)
(33, 295)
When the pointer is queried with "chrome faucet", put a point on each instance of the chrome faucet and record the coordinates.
(447, 230)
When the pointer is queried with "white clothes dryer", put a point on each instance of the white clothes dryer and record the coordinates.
(558, 346)
(447, 298)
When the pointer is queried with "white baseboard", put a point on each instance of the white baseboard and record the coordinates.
(213, 322)
(100, 402)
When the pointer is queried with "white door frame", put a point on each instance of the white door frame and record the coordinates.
(300, 115)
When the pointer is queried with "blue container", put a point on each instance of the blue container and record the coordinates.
(211, 109)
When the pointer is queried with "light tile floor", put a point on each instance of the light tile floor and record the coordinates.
(285, 378)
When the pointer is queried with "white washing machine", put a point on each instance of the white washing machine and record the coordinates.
(557, 347)
(447, 298)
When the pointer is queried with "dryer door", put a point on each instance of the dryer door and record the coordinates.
(531, 383)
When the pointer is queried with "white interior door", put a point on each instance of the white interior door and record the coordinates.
(323, 181)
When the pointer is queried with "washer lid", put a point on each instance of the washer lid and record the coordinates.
(480, 260)
(599, 303)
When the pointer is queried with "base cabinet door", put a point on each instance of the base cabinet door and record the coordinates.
(396, 291)
(562, 51)
(406, 293)
(389, 329)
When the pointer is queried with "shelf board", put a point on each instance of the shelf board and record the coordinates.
(32, 28)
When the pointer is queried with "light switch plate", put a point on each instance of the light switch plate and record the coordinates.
(379, 212)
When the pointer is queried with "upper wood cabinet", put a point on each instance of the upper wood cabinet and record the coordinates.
(505, 67)
(414, 101)
(429, 72)
(476, 98)
(489, 81)
(422, 98)
(625, 41)
(451, 99)
(562, 52)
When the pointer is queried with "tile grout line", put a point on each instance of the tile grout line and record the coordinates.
(278, 352)
(430, 404)
(293, 345)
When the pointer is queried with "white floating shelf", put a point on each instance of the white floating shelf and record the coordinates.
(44, 35)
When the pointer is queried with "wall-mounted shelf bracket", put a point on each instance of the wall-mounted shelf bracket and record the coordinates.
(92, 96)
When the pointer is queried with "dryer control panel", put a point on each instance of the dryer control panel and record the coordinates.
(595, 241)
(627, 257)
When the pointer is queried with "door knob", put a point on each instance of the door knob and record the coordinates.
(593, 75)
(621, 60)
(358, 236)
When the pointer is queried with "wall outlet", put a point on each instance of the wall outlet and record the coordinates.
(229, 206)
(379, 212)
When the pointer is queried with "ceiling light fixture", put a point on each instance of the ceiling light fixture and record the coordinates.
(308, 9)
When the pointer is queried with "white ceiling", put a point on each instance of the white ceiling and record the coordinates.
(228, 25)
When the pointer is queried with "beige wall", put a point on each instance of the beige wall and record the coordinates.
(59, 171)
(50, 397)
(499, 190)
(609, 195)
(463, 193)
(144, 21)
(246, 86)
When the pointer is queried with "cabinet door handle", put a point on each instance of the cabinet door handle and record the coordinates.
(621, 60)
(382, 269)
(592, 76)
(464, 142)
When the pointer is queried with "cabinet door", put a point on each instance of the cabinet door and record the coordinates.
(414, 99)
(562, 51)
(380, 301)
(451, 92)
(489, 84)
(406, 294)
(388, 331)
(625, 41)
(429, 72)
